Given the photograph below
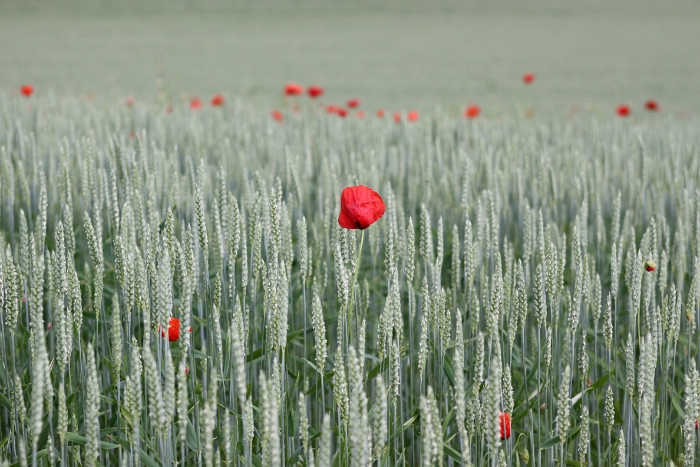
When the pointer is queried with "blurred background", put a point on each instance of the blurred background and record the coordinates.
(390, 54)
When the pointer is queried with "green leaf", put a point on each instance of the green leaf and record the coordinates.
(146, 459)
(191, 437)
(556, 440)
(5, 401)
(255, 354)
(82, 440)
(39, 455)
(457, 457)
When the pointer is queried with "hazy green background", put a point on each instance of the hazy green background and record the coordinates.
(390, 54)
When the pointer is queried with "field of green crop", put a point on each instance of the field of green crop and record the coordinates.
(176, 289)
(511, 273)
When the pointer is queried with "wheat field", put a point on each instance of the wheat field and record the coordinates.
(546, 268)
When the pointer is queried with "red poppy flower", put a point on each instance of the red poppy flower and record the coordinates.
(27, 90)
(397, 117)
(360, 114)
(623, 110)
(169, 109)
(360, 207)
(293, 89)
(277, 115)
(651, 105)
(332, 109)
(354, 103)
(380, 113)
(528, 78)
(472, 111)
(314, 91)
(413, 116)
(173, 329)
(217, 100)
(195, 103)
(341, 112)
(129, 101)
(187, 370)
(504, 419)
(650, 266)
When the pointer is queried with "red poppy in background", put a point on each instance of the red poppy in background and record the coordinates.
(360, 114)
(129, 101)
(623, 110)
(173, 329)
(354, 103)
(27, 90)
(650, 266)
(314, 91)
(293, 89)
(504, 421)
(332, 109)
(397, 117)
(528, 78)
(413, 116)
(217, 100)
(360, 207)
(651, 105)
(472, 111)
(195, 103)
(277, 115)
(380, 113)
(341, 112)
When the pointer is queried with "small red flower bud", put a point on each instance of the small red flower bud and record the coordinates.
(504, 422)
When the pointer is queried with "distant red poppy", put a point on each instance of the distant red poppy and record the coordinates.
(195, 103)
(380, 113)
(314, 91)
(504, 419)
(397, 117)
(623, 110)
(293, 89)
(413, 116)
(173, 330)
(650, 266)
(169, 109)
(277, 115)
(353, 103)
(472, 111)
(360, 114)
(187, 370)
(651, 105)
(360, 207)
(27, 90)
(129, 101)
(341, 112)
(217, 100)
(528, 78)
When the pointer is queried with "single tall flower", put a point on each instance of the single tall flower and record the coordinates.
(277, 115)
(413, 116)
(27, 90)
(528, 78)
(651, 105)
(353, 103)
(360, 207)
